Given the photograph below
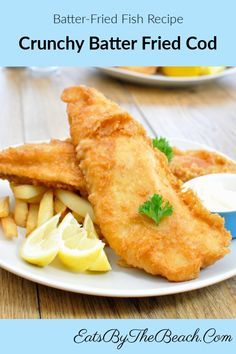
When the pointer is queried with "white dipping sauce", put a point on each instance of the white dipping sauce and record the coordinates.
(218, 194)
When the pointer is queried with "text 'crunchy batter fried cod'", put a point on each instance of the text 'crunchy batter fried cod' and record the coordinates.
(122, 171)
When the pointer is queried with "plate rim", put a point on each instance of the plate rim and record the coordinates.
(121, 293)
(157, 78)
(182, 287)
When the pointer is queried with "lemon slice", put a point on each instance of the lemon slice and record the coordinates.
(101, 264)
(77, 252)
(78, 255)
(89, 227)
(210, 70)
(181, 70)
(70, 228)
(42, 245)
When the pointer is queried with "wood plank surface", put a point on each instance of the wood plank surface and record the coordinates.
(31, 110)
(18, 297)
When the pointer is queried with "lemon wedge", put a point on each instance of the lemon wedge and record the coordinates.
(181, 70)
(210, 70)
(89, 227)
(191, 70)
(77, 251)
(42, 245)
(101, 264)
(79, 255)
(69, 227)
(69, 240)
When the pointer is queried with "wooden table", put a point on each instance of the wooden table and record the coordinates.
(31, 110)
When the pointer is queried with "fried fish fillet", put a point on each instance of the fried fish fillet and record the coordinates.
(189, 164)
(14, 165)
(50, 164)
(185, 165)
(122, 170)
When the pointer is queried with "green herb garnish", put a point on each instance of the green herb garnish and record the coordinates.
(163, 145)
(154, 208)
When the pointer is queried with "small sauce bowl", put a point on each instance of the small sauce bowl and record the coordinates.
(218, 194)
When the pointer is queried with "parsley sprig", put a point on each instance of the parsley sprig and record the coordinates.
(155, 209)
(163, 145)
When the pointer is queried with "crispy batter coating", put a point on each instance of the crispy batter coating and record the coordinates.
(49, 164)
(193, 163)
(122, 170)
(185, 165)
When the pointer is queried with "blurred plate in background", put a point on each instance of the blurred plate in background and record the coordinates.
(162, 80)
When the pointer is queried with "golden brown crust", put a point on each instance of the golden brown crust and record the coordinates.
(122, 170)
(50, 164)
(185, 164)
(94, 115)
(189, 164)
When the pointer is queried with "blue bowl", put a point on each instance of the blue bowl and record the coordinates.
(230, 221)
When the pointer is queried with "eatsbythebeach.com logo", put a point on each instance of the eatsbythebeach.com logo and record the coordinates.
(143, 335)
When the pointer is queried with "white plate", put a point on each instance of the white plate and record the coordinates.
(161, 80)
(120, 282)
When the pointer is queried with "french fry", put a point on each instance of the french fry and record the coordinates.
(35, 200)
(20, 212)
(32, 220)
(9, 227)
(4, 207)
(75, 203)
(27, 191)
(59, 207)
(46, 209)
